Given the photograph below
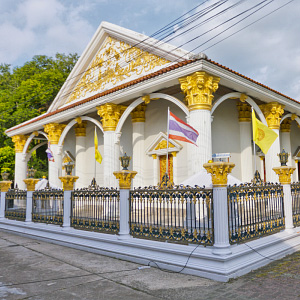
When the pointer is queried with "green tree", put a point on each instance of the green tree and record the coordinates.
(27, 91)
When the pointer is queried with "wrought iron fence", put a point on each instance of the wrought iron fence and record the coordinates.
(181, 214)
(15, 204)
(296, 203)
(96, 209)
(254, 210)
(48, 206)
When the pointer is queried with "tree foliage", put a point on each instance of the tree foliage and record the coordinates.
(27, 91)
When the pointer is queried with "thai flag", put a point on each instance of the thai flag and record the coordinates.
(179, 130)
(49, 154)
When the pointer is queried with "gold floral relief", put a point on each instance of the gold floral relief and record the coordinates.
(115, 62)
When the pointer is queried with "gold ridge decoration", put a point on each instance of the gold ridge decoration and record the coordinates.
(19, 141)
(285, 125)
(219, 172)
(54, 131)
(80, 128)
(244, 110)
(115, 62)
(5, 185)
(284, 174)
(125, 177)
(198, 89)
(110, 114)
(272, 112)
(68, 182)
(30, 183)
(138, 114)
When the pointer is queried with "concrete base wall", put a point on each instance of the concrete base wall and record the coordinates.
(189, 259)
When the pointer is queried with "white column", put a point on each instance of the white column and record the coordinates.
(81, 162)
(221, 232)
(67, 209)
(20, 170)
(110, 161)
(286, 145)
(138, 152)
(200, 119)
(2, 205)
(55, 166)
(295, 174)
(124, 231)
(29, 206)
(155, 170)
(272, 159)
(288, 209)
(246, 152)
(175, 171)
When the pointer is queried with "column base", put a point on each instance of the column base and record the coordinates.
(124, 236)
(221, 250)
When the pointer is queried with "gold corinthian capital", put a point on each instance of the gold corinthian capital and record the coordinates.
(272, 112)
(54, 131)
(19, 141)
(198, 89)
(110, 114)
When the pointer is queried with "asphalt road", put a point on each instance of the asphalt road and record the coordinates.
(33, 269)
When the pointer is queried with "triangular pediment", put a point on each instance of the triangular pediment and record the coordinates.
(114, 56)
(115, 63)
(159, 145)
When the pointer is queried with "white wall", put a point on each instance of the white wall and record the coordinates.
(226, 133)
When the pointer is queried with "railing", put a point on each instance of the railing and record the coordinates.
(15, 204)
(96, 209)
(295, 187)
(254, 210)
(47, 206)
(181, 214)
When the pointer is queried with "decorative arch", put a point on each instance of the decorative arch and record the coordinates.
(73, 122)
(31, 138)
(249, 100)
(297, 119)
(138, 101)
(36, 147)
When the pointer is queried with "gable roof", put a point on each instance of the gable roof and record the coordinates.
(115, 56)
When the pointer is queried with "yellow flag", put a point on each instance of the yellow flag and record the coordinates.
(98, 156)
(263, 136)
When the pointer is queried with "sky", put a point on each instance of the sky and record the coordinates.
(267, 51)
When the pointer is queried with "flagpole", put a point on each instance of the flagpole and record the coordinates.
(95, 155)
(167, 159)
(253, 146)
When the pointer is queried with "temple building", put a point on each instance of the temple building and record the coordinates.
(124, 83)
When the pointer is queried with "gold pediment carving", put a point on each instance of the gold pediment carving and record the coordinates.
(163, 145)
(114, 63)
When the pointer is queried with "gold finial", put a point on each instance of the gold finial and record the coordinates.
(198, 89)
(19, 141)
(54, 131)
(272, 112)
(110, 114)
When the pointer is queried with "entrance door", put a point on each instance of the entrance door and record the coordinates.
(162, 166)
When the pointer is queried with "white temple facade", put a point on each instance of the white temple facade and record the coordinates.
(124, 83)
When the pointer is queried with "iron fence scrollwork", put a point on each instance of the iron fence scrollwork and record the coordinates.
(254, 211)
(181, 214)
(295, 189)
(15, 204)
(96, 208)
